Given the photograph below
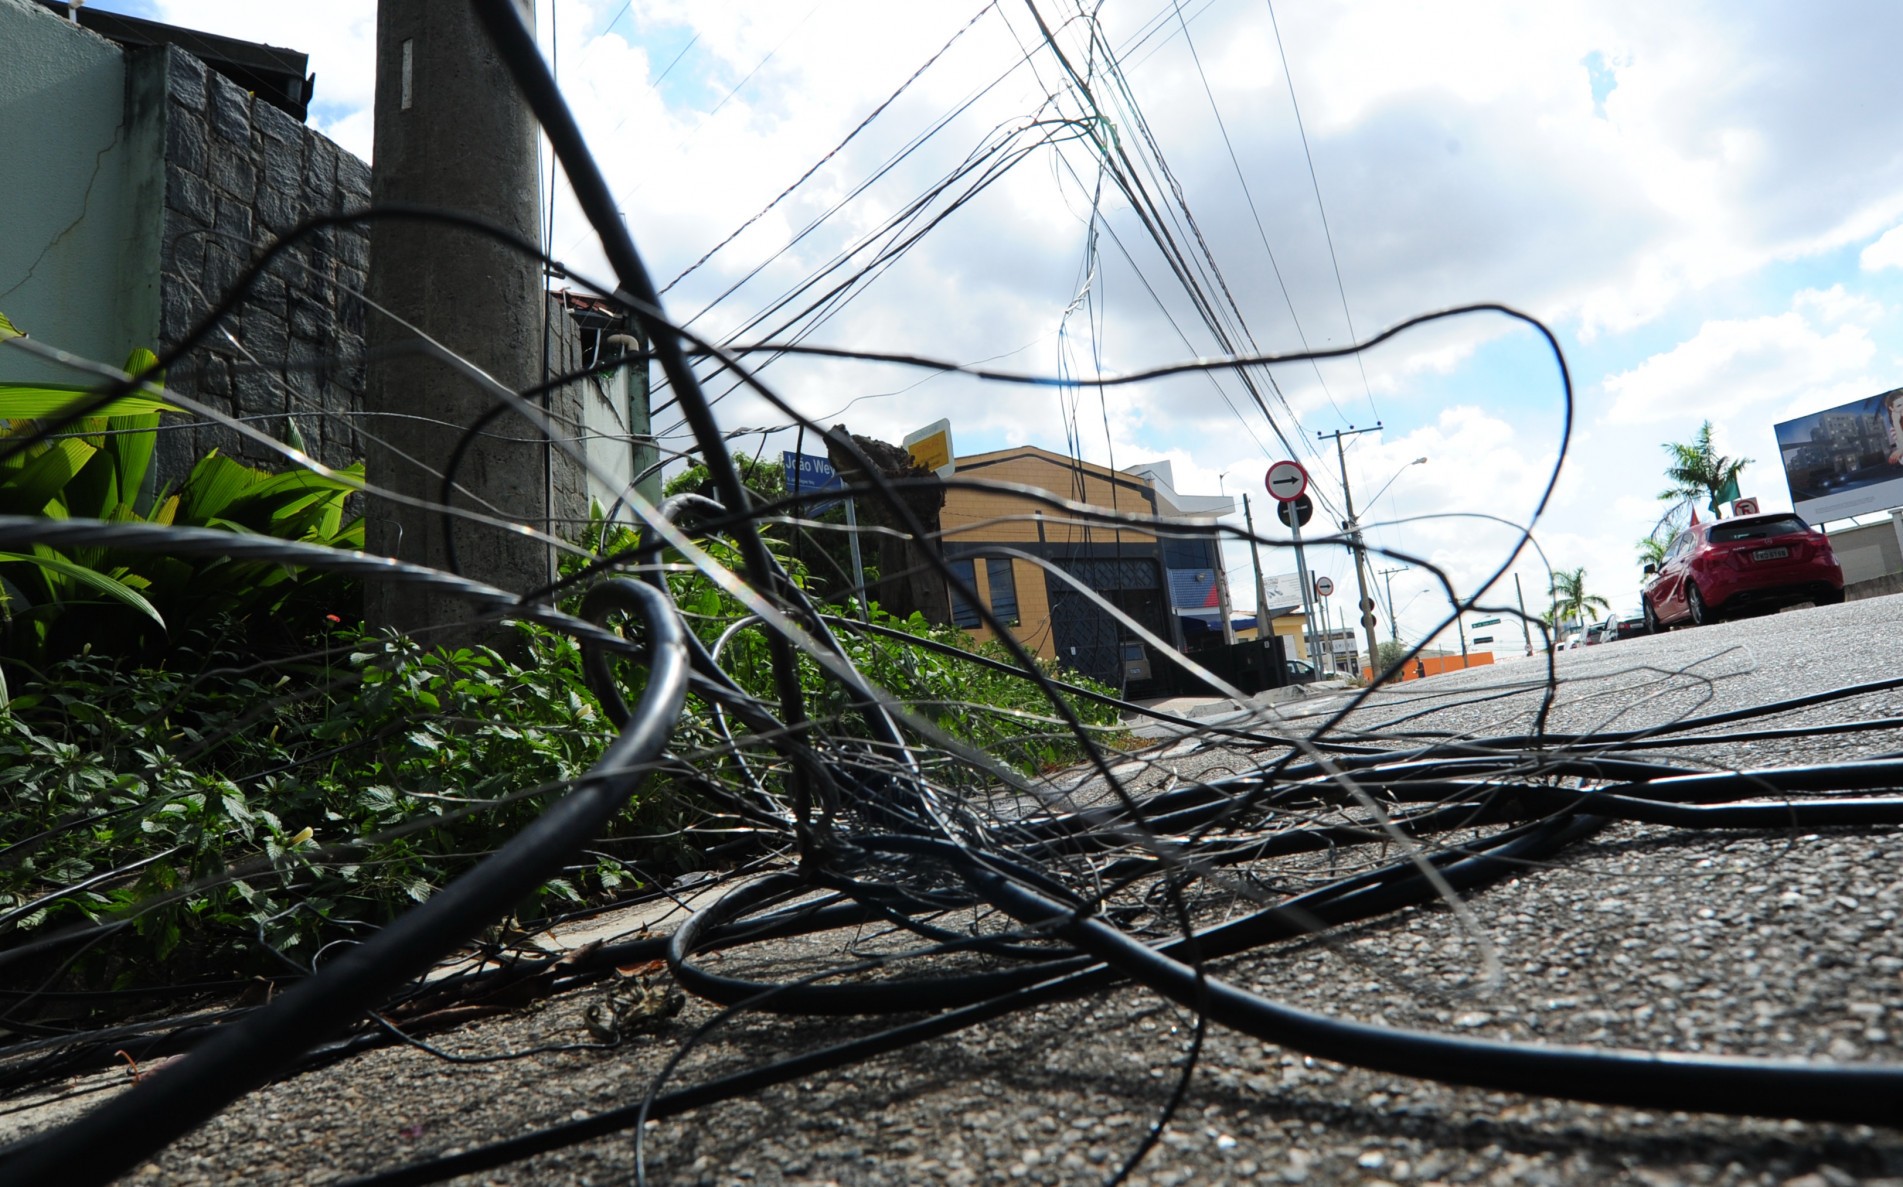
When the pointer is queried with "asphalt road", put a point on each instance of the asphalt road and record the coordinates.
(1779, 943)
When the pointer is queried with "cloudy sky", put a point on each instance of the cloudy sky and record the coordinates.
(1704, 202)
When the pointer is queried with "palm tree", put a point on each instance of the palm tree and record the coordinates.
(1570, 599)
(1697, 471)
(1652, 550)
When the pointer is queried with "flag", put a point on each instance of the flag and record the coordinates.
(1728, 493)
(1694, 517)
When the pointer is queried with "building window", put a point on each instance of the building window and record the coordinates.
(964, 611)
(1004, 589)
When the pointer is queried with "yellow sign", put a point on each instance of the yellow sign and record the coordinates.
(931, 447)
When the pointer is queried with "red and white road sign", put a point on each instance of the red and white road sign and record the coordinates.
(1286, 480)
(1324, 586)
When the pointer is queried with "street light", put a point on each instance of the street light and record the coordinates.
(1390, 482)
(1394, 627)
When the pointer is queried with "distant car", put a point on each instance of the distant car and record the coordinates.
(1622, 626)
(1300, 671)
(1731, 567)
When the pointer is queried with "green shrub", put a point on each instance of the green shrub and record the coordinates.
(219, 808)
(53, 603)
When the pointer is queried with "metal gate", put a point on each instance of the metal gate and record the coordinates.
(1088, 639)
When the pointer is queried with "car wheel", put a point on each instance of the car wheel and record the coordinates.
(1701, 614)
(1651, 616)
(1834, 598)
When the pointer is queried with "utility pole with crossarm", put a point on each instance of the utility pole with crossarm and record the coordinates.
(1353, 528)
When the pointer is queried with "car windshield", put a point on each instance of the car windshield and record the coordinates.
(1757, 529)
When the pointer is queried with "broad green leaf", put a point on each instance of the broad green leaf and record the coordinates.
(91, 579)
(20, 401)
(94, 491)
(140, 361)
(216, 480)
(297, 481)
(131, 444)
(44, 477)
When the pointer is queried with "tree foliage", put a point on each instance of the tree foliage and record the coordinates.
(1697, 471)
(1387, 653)
(1571, 602)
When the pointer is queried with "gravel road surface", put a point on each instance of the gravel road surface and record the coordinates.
(1779, 943)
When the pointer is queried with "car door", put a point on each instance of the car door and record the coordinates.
(1668, 594)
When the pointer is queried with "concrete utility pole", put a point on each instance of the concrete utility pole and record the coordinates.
(1394, 620)
(1262, 631)
(1353, 528)
(452, 133)
(1526, 630)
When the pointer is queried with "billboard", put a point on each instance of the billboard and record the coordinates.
(1846, 460)
(1283, 589)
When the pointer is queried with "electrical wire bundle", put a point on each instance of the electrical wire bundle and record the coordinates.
(997, 892)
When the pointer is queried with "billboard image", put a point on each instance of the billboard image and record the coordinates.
(1846, 460)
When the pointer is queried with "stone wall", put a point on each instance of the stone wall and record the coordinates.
(239, 173)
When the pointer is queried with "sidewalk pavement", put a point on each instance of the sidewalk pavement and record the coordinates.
(1297, 697)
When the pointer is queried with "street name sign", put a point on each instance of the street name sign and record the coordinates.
(807, 473)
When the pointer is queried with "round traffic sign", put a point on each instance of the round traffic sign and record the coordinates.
(1295, 512)
(1324, 586)
(1286, 480)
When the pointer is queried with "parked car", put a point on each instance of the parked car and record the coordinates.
(1300, 671)
(1729, 567)
(1623, 625)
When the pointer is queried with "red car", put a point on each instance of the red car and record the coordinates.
(1755, 563)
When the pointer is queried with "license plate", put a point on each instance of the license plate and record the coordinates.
(1770, 554)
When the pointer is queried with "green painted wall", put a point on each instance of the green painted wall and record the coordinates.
(82, 174)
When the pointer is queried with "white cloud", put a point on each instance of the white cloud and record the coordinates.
(1737, 363)
(1835, 304)
(1886, 252)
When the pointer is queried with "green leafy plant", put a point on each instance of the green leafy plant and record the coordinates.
(98, 468)
(1001, 710)
(215, 809)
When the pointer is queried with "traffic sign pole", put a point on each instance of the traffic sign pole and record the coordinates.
(1308, 602)
(1288, 481)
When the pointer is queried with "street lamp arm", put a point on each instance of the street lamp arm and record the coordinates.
(1390, 482)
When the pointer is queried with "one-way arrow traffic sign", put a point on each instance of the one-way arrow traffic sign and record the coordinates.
(1286, 480)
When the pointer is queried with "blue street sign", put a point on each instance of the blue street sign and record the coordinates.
(807, 473)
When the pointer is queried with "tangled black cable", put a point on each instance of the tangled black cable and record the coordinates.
(1009, 891)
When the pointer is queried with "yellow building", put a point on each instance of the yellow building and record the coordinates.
(1027, 557)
